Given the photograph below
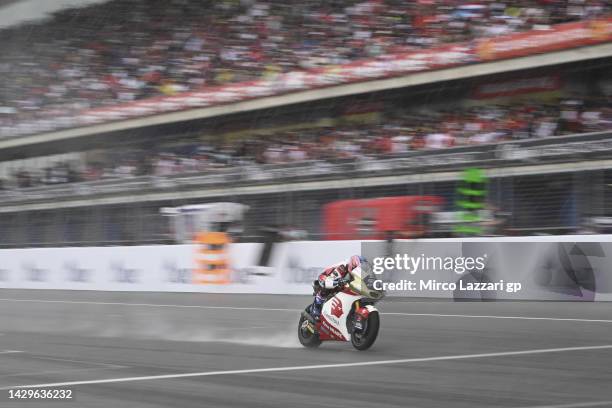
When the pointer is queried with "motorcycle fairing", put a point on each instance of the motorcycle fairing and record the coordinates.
(333, 316)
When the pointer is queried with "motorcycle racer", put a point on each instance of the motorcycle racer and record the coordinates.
(331, 280)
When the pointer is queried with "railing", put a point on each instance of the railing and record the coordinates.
(565, 149)
(529, 202)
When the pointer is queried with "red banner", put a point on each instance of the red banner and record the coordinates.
(560, 37)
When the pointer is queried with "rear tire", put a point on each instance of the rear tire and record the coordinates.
(363, 341)
(307, 339)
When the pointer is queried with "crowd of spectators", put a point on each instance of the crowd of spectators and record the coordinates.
(405, 132)
(126, 50)
(392, 135)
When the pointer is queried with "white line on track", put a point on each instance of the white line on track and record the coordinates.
(560, 319)
(10, 351)
(267, 309)
(313, 367)
(577, 405)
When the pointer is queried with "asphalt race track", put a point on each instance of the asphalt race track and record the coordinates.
(202, 350)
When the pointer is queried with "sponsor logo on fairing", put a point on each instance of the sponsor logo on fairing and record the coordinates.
(336, 309)
(333, 332)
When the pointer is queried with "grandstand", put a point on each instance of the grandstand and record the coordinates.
(106, 120)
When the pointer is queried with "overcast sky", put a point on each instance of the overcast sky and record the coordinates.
(24, 10)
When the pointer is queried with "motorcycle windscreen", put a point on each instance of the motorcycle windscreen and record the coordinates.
(363, 282)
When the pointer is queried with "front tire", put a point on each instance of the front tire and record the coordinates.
(364, 340)
(307, 339)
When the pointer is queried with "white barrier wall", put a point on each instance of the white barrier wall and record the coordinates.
(294, 265)
(168, 268)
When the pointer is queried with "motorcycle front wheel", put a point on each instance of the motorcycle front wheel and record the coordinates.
(363, 340)
(306, 337)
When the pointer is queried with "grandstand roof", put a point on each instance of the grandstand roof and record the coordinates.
(13, 12)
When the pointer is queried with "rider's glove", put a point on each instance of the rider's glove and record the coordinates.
(343, 281)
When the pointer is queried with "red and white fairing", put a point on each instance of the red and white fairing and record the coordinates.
(335, 311)
(334, 314)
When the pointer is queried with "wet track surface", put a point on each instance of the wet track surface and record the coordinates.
(428, 354)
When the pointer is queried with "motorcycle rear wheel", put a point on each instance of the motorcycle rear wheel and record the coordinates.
(307, 339)
(364, 340)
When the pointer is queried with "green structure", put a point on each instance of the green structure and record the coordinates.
(471, 199)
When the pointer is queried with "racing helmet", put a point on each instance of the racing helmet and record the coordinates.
(355, 261)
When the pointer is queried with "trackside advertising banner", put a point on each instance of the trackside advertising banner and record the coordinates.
(170, 268)
(558, 37)
(535, 268)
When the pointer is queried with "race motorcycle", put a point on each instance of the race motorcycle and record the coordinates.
(347, 315)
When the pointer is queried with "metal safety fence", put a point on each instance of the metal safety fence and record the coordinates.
(555, 203)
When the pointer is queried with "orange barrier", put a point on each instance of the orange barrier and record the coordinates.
(212, 258)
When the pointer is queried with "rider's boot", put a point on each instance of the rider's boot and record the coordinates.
(315, 309)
